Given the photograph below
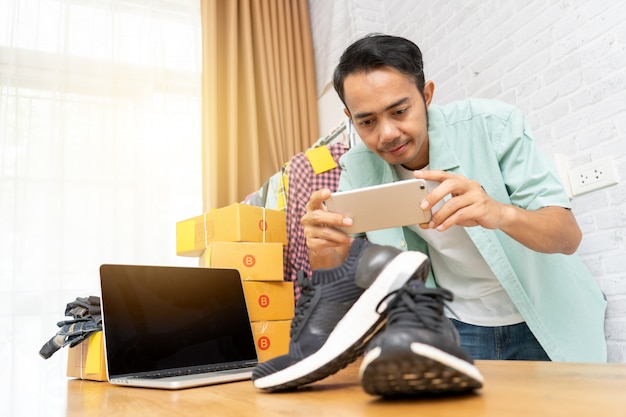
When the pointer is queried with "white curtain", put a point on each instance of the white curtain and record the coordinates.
(100, 155)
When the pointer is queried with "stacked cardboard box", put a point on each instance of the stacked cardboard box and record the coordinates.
(249, 239)
(86, 360)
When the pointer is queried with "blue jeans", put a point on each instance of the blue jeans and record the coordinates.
(515, 342)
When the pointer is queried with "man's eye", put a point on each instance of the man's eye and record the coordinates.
(400, 111)
(366, 122)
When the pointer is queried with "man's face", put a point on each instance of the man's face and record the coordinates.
(390, 115)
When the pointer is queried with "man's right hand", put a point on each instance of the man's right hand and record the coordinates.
(328, 246)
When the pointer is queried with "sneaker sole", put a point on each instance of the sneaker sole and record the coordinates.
(350, 336)
(424, 370)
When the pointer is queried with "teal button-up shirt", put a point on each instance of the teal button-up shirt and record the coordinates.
(491, 142)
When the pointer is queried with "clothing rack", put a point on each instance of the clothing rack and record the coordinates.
(345, 125)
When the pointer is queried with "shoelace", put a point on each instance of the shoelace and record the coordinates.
(307, 291)
(417, 305)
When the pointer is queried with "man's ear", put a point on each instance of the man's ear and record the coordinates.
(429, 91)
(347, 113)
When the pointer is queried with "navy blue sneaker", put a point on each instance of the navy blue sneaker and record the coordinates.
(336, 314)
(419, 351)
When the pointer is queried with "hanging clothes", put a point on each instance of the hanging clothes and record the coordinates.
(303, 181)
(273, 193)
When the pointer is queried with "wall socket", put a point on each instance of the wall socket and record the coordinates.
(593, 176)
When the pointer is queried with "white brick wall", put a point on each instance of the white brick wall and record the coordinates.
(561, 62)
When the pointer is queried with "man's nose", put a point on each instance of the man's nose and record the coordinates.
(388, 131)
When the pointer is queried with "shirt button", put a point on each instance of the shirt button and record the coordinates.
(402, 243)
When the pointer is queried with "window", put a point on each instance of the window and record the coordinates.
(100, 153)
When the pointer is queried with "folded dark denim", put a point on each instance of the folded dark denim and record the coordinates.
(83, 307)
(87, 319)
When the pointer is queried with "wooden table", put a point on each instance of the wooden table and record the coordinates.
(512, 388)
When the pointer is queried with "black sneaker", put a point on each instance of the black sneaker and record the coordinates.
(419, 351)
(337, 314)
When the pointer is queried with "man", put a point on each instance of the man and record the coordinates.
(502, 235)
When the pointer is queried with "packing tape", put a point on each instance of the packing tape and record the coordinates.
(264, 224)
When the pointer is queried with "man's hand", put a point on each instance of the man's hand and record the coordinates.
(549, 229)
(328, 246)
(468, 206)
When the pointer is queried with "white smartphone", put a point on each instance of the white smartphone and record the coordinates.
(382, 206)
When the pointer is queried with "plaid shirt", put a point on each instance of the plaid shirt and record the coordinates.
(302, 183)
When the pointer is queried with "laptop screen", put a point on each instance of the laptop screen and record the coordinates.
(163, 318)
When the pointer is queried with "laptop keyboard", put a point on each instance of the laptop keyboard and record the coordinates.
(185, 372)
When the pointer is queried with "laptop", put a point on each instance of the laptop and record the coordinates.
(175, 327)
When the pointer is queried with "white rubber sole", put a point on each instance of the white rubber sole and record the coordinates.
(446, 373)
(430, 352)
(357, 322)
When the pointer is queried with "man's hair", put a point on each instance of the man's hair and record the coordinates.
(377, 50)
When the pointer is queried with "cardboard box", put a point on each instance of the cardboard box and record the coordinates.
(86, 360)
(234, 223)
(254, 261)
(269, 300)
(271, 338)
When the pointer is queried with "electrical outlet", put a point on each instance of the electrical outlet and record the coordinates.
(593, 176)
